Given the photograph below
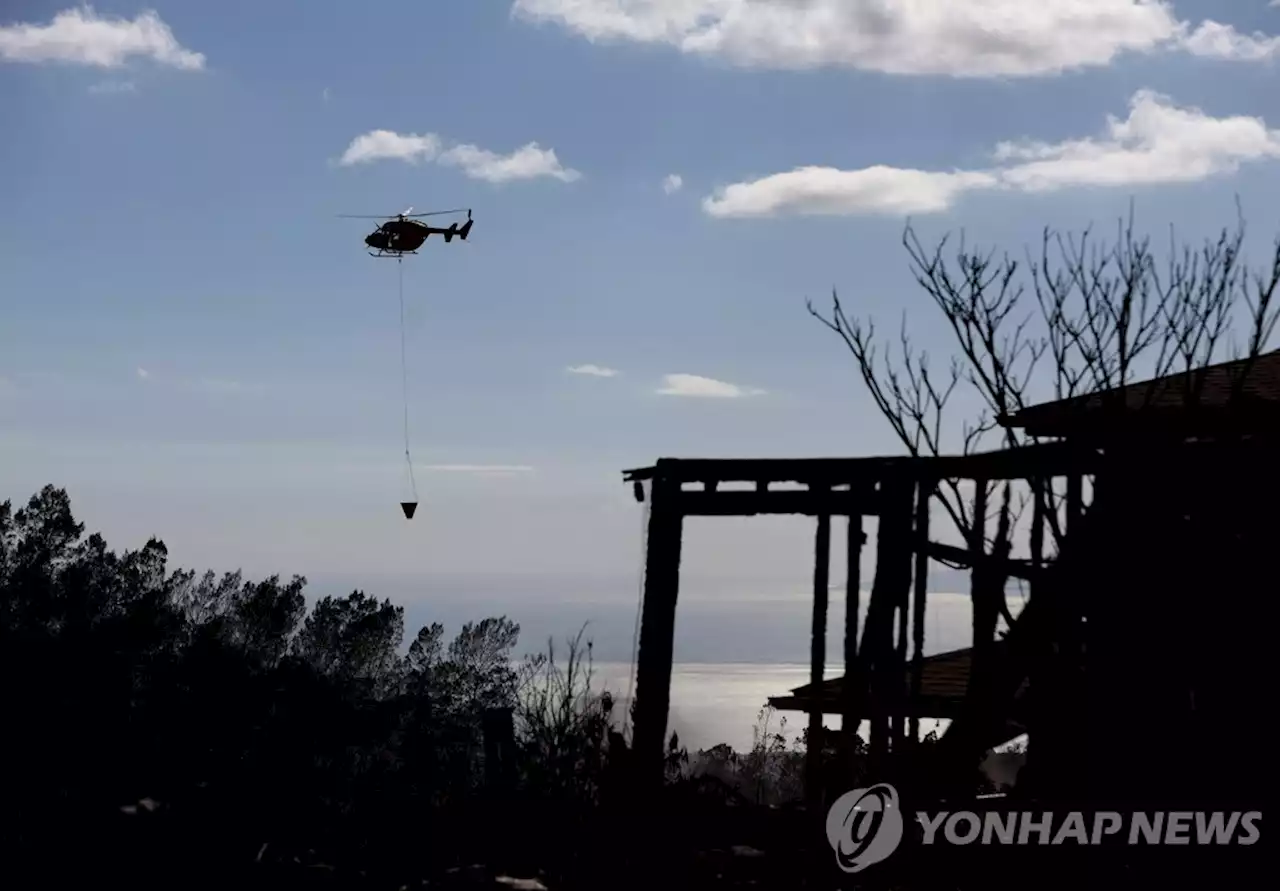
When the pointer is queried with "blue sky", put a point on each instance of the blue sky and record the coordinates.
(196, 346)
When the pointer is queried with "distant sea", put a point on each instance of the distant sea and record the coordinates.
(736, 644)
(719, 703)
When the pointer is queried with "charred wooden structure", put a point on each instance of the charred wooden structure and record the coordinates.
(940, 695)
(1142, 630)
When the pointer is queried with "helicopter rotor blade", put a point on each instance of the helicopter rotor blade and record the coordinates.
(436, 213)
(406, 214)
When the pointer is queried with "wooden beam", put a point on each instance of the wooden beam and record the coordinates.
(818, 660)
(747, 504)
(892, 580)
(1075, 500)
(1021, 462)
(1038, 496)
(850, 715)
(924, 493)
(898, 723)
(657, 635)
(984, 617)
(928, 707)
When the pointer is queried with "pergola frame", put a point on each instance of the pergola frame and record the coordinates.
(896, 490)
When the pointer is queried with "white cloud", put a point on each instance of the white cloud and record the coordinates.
(1158, 142)
(143, 374)
(696, 385)
(1217, 41)
(530, 161)
(592, 370)
(673, 183)
(324, 94)
(382, 145)
(828, 191)
(82, 37)
(992, 38)
(107, 87)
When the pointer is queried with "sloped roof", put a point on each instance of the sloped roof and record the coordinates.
(1244, 393)
(944, 681)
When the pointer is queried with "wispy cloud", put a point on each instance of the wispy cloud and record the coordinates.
(994, 38)
(592, 370)
(113, 87)
(704, 387)
(1159, 142)
(81, 36)
(1214, 40)
(530, 161)
(480, 469)
(324, 94)
(673, 183)
(143, 374)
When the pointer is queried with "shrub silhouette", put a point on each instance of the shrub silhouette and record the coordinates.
(197, 725)
(240, 719)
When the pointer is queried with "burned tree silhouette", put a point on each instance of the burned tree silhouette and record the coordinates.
(1104, 316)
(1108, 315)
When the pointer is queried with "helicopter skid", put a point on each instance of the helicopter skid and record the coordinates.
(389, 256)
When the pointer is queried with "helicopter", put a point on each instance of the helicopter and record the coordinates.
(403, 233)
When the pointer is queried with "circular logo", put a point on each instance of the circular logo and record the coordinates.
(864, 826)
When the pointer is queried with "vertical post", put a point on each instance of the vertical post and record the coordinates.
(923, 494)
(850, 716)
(889, 590)
(818, 663)
(898, 723)
(982, 634)
(657, 628)
(985, 615)
(1075, 500)
(1069, 609)
(1037, 521)
(978, 531)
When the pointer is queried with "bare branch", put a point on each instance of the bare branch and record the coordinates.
(1102, 317)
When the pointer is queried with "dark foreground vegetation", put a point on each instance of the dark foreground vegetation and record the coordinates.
(176, 729)
(166, 729)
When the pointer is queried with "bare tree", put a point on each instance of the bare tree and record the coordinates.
(1099, 316)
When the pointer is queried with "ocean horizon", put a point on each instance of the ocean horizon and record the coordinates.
(714, 703)
(738, 642)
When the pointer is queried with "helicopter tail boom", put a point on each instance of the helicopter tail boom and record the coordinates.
(461, 231)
